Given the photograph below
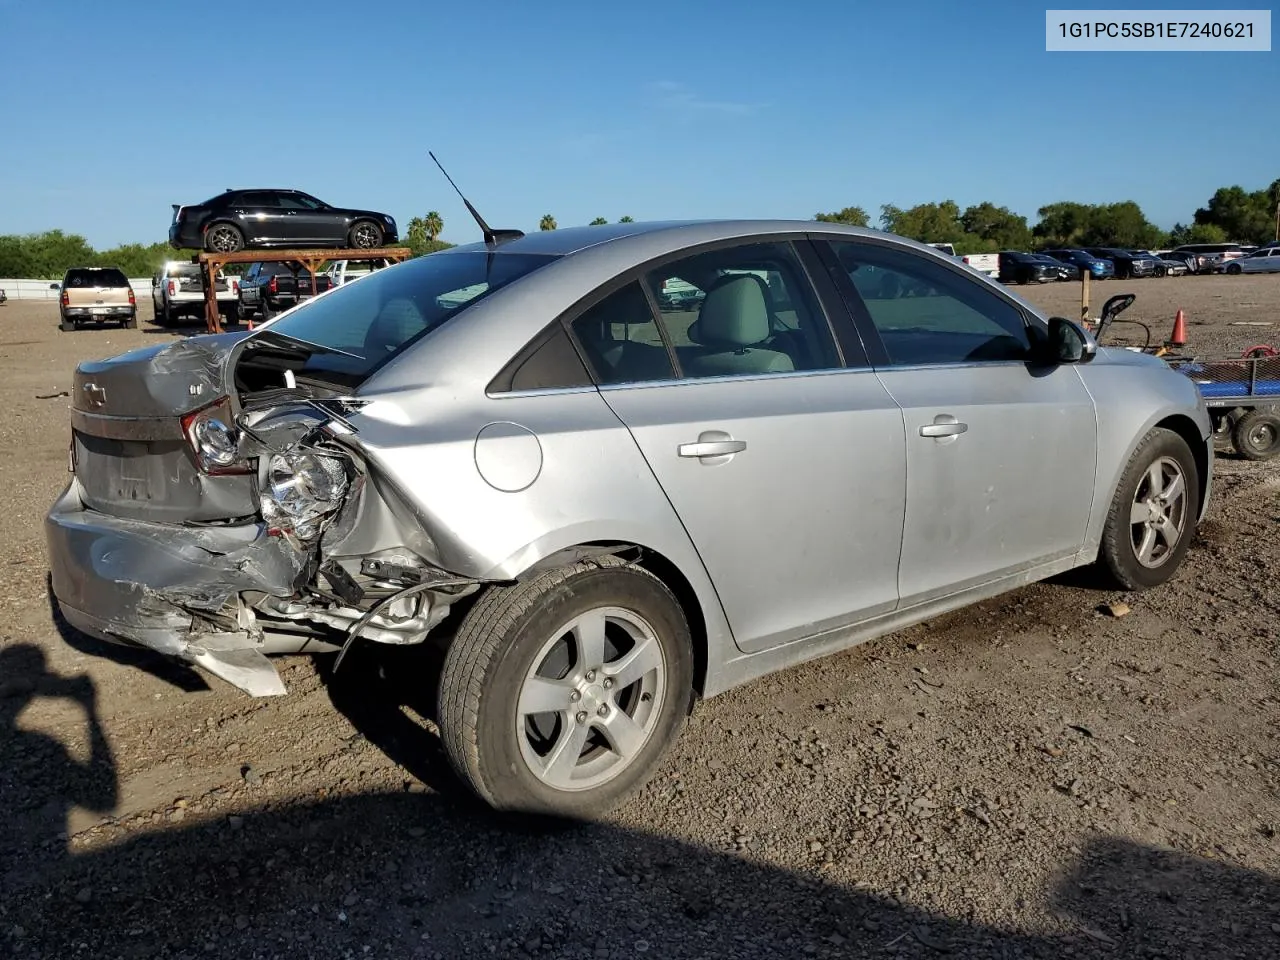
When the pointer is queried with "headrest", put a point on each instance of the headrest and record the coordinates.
(734, 312)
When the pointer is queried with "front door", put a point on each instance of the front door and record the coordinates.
(785, 467)
(1001, 452)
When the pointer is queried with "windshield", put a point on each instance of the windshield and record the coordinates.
(360, 326)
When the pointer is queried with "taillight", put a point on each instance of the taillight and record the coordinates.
(272, 286)
(235, 286)
(173, 288)
(211, 433)
(66, 299)
(133, 299)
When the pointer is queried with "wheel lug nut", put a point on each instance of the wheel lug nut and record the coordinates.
(575, 697)
(603, 711)
(608, 683)
(591, 675)
(582, 716)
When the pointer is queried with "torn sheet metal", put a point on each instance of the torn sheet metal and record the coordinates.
(165, 587)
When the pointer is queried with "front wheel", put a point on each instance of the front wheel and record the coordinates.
(365, 235)
(1256, 435)
(1234, 269)
(1153, 513)
(561, 694)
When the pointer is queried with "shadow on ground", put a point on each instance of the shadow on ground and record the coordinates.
(435, 875)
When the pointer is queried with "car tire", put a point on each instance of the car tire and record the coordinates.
(1123, 544)
(224, 238)
(66, 326)
(364, 235)
(130, 324)
(264, 308)
(1234, 269)
(1256, 435)
(505, 654)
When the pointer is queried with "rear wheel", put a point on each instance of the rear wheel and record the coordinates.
(365, 235)
(1153, 513)
(1256, 435)
(224, 238)
(1234, 269)
(560, 695)
(67, 326)
(130, 323)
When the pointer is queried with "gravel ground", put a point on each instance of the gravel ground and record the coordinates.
(1031, 777)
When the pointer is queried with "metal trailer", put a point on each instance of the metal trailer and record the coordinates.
(1243, 397)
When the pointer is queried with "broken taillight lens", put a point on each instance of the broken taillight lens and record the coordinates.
(214, 440)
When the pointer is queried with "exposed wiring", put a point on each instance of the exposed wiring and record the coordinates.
(379, 607)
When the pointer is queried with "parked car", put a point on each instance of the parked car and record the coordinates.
(538, 478)
(1164, 267)
(1127, 265)
(1017, 267)
(250, 219)
(1209, 256)
(96, 295)
(3, 296)
(344, 271)
(988, 263)
(1098, 268)
(1188, 260)
(269, 287)
(177, 290)
(1262, 260)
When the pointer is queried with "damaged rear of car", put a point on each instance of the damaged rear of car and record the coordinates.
(222, 506)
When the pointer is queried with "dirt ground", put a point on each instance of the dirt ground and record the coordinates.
(1032, 777)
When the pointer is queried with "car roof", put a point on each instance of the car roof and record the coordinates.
(675, 233)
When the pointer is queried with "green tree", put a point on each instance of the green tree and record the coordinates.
(1243, 216)
(435, 225)
(1062, 224)
(598, 222)
(1069, 224)
(626, 220)
(1196, 233)
(419, 239)
(548, 222)
(926, 222)
(853, 216)
(997, 227)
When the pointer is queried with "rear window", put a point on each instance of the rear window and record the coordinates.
(362, 325)
(105, 277)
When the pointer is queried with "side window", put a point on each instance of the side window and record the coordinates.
(742, 311)
(553, 364)
(621, 339)
(927, 314)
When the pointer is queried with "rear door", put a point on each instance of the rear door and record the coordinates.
(783, 459)
(1001, 452)
(309, 220)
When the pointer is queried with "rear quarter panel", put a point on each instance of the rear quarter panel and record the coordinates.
(500, 483)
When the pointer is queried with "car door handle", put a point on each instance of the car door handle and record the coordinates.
(944, 425)
(711, 448)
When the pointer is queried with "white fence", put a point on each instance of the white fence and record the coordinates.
(50, 290)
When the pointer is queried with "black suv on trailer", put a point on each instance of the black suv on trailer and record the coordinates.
(247, 219)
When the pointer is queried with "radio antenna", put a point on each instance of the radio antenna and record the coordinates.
(491, 236)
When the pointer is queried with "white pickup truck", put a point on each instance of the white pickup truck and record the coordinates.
(344, 271)
(177, 290)
(988, 263)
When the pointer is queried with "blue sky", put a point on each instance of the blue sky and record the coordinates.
(113, 111)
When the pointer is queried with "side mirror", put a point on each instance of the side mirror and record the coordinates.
(1069, 342)
(55, 286)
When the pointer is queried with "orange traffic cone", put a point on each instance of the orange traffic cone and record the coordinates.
(1179, 336)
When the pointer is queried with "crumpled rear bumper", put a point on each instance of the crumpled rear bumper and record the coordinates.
(147, 583)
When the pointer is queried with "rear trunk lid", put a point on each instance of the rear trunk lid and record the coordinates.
(129, 452)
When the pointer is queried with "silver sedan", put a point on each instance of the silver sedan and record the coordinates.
(602, 502)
